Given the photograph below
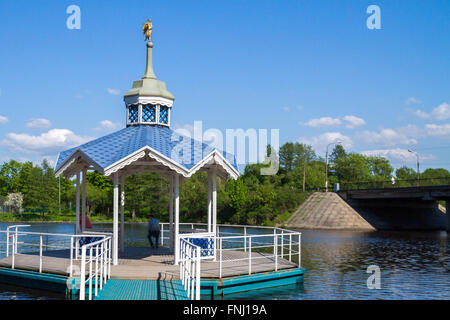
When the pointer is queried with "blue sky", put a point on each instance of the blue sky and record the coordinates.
(309, 68)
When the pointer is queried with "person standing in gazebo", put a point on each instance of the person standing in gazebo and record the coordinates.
(153, 231)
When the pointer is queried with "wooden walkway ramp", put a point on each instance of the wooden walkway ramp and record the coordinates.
(122, 289)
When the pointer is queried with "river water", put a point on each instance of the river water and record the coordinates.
(413, 265)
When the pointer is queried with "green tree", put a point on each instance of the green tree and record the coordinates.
(9, 177)
(380, 168)
(287, 156)
(49, 196)
(405, 173)
(337, 153)
(352, 169)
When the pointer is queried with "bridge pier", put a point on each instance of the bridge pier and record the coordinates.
(447, 213)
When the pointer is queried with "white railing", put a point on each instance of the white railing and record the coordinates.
(8, 232)
(190, 268)
(286, 244)
(95, 267)
(27, 242)
(267, 248)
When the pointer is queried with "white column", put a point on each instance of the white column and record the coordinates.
(116, 219)
(122, 211)
(214, 201)
(177, 217)
(171, 236)
(77, 205)
(83, 201)
(209, 202)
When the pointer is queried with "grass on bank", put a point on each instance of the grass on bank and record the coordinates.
(63, 217)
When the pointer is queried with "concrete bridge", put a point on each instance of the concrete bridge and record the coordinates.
(402, 208)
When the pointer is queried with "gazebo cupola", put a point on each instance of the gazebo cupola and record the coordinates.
(148, 102)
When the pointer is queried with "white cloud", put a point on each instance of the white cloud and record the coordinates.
(106, 125)
(412, 100)
(39, 123)
(435, 130)
(322, 122)
(3, 119)
(390, 137)
(440, 113)
(113, 91)
(320, 142)
(353, 121)
(421, 114)
(398, 155)
(286, 109)
(50, 142)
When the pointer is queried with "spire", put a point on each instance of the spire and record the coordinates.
(149, 73)
(148, 102)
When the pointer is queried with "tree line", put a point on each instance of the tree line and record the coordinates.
(253, 198)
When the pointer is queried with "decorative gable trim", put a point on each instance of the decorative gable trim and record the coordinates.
(165, 161)
(217, 158)
(64, 168)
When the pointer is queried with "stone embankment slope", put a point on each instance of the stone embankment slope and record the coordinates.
(326, 210)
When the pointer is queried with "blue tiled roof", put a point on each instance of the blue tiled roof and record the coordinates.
(113, 147)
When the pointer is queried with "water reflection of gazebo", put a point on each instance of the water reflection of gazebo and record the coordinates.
(147, 144)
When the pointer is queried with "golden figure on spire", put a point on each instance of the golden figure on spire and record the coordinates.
(147, 30)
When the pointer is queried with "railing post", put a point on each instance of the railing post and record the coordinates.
(96, 269)
(220, 258)
(83, 274)
(102, 254)
(15, 246)
(40, 257)
(76, 248)
(71, 255)
(249, 256)
(7, 242)
(299, 250)
(181, 263)
(282, 244)
(13, 254)
(290, 247)
(109, 258)
(105, 263)
(245, 239)
(90, 273)
(215, 247)
(275, 252)
(197, 276)
(188, 275)
(162, 234)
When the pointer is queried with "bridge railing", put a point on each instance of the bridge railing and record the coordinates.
(396, 183)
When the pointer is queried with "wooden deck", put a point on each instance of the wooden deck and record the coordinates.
(144, 263)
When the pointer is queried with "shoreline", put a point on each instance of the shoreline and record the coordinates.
(59, 221)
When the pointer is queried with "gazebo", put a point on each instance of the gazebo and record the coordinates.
(147, 144)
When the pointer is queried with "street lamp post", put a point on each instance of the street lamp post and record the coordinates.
(326, 164)
(418, 170)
